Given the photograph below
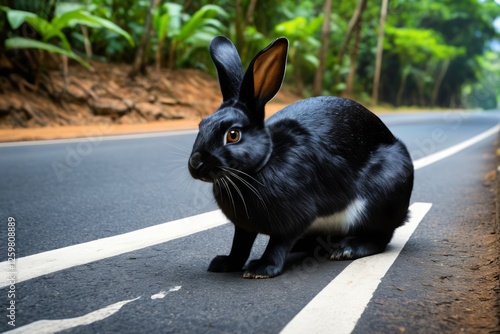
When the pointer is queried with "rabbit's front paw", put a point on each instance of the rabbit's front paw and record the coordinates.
(224, 264)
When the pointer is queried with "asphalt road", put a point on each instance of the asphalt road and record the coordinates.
(66, 193)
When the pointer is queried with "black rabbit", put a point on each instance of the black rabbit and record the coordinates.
(323, 167)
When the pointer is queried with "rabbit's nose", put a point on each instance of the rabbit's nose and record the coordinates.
(195, 161)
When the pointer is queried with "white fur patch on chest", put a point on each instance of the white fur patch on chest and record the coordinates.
(341, 221)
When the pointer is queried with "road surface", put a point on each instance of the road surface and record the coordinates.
(111, 235)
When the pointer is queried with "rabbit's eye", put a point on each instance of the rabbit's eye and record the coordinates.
(233, 136)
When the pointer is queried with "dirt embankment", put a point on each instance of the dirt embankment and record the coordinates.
(105, 95)
(106, 98)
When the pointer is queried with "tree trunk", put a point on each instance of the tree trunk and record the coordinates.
(250, 12)
(349, 90)
(420, 83)
(239, 25)
(421, 94)
(171, 55)
(86, 41)
(187, 4)
(325, 35)
(159, 47)
(438, 82)
(380, 49)
(402, 86)
(353, 23)
(138, 65)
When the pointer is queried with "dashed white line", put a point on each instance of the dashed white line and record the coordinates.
(163, 294)
(54, 326)
(159, 295)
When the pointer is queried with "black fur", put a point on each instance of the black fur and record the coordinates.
(319, 157)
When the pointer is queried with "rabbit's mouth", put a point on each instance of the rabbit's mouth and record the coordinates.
(203, 178)
(206, 179)
(198, 168)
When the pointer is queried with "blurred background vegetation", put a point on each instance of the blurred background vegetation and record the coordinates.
(425, 53)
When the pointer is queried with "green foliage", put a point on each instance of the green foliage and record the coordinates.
(27, 43)
(167, 18)
(184, 33)
(301, 33)
(67, 15)
(129, 15)
(419, 45)
(17, 17)
(458, 31)
(437, 52)
(485, 93)
(304, 47)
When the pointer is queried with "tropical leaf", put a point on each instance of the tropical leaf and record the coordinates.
(292, 27)
(199, 19)
(312, 60)
(216, 24)
(27, 43)
(47, 30)
(80, 16)
(16, 17)
(314, 25)
(106, 24)
(65, 7)
(160, 24)
(167, 19)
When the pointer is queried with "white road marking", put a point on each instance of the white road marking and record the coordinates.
(58, 259)
(159, 295)
(103, 138)
(337, 308)
(432, 158)
(54, 326)
(162, 294)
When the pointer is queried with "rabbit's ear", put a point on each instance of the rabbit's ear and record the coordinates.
(264, 77)
(228, 64)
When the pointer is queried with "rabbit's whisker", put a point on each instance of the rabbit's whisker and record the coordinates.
(219, 187)
(241, 172)
(224, 182)
(239, 192)
(249, 186)
(179, 149)
(179, 177)
(246, 183)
